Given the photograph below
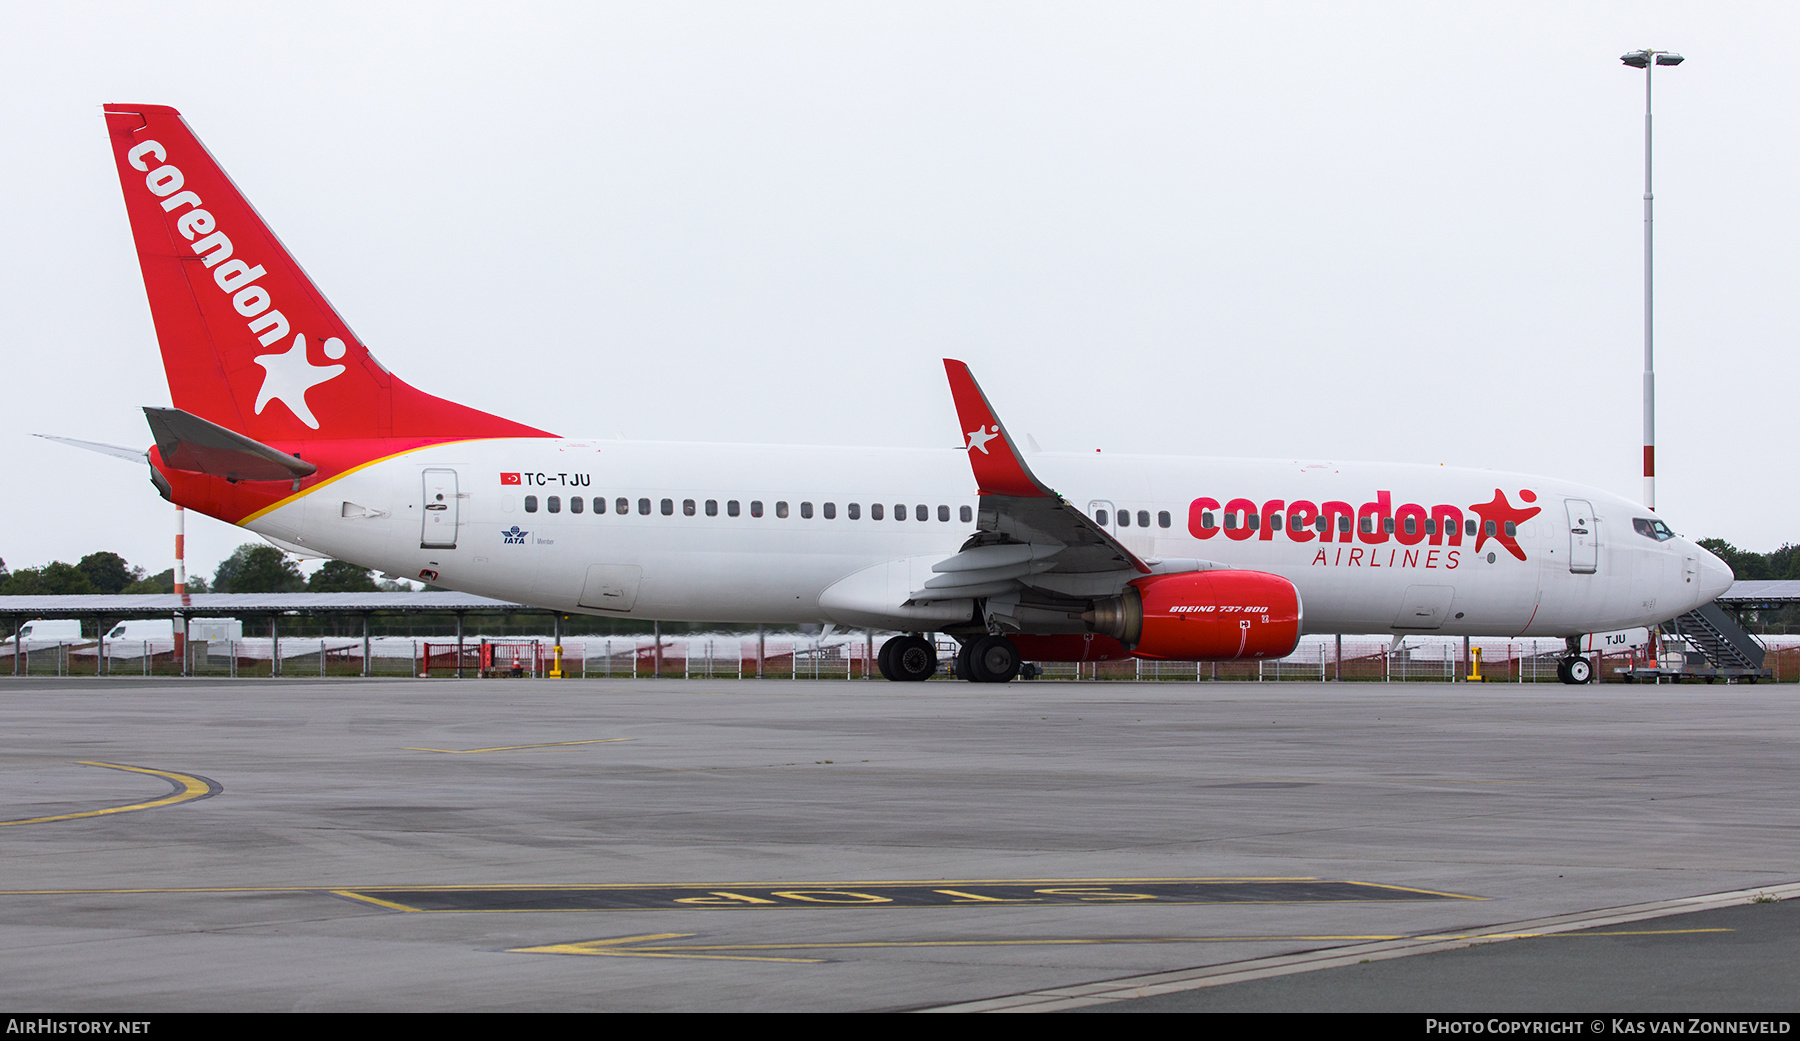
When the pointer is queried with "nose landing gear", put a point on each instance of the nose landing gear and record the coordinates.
(1575, 670)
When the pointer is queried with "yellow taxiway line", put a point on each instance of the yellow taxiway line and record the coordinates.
(645, 946)
(187, 789)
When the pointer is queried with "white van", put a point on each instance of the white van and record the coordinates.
(143, 629)
(46, 630)
(202, 629)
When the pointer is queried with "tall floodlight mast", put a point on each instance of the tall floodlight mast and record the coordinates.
(1648, 60)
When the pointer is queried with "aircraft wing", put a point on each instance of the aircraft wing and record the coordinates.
(1026, 534)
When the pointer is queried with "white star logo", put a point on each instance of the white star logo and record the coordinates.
(288, 376)
(978, 438)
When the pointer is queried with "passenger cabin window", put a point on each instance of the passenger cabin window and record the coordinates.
(854, 511)
(944, 514)
(731, 508)
(622, 506)
(1652, 529)
(1124, 518)
(1512, 529)
(1250, 521)
(806, 511)
(687, 507)
(554, 504)
(712, 507)
(1469, 526)
(531, 504)
(1322, 523)
(644, 507)
(599, 504)
(755, 507)
(966, 514)
(1490, 529)
(899, 511)
(1100, 517)
(576, 504)
(1231, 521)
(781, 509)
(1143, 518)
(668, 507)
(875, 511)
(921, 512)
(1387, 525)
(1162, 519)
(830, 511)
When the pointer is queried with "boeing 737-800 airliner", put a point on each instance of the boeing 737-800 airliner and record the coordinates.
(284, 423)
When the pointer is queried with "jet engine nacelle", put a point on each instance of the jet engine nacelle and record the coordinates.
(1203, 616)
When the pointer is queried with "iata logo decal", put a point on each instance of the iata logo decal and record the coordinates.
(513, 536)
(1428, 537)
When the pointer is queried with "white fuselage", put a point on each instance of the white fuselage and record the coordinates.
(487, 537)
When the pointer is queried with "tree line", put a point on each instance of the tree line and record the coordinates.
(251, 568)
(1783, 563)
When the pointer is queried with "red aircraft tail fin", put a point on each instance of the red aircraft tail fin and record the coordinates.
(248, 342)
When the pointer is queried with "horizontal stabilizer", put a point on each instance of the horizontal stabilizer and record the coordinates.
(188, 442)
(131, 455)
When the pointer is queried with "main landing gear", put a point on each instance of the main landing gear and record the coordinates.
(988, 659)
(907, 659)
(985, 659)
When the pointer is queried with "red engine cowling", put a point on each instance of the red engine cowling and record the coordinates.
(1204, 616)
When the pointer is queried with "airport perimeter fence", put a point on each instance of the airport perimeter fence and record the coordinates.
(781, 656)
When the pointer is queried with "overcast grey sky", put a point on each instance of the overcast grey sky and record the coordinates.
(1399, 231)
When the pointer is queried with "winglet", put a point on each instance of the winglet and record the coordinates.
(999, 469)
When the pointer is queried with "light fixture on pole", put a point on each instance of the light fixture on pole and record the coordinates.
(1647, 60)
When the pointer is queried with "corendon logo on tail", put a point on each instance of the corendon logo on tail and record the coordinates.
(287, 375)
(1428, 537)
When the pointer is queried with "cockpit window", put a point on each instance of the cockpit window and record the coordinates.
(1652, 529)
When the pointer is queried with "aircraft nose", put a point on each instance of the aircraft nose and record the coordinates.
(1715, 576)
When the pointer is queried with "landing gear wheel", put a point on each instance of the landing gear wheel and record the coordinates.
(884, 659)
(993, 659)
(964, 669)
(907, 659)
(1575, 670)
